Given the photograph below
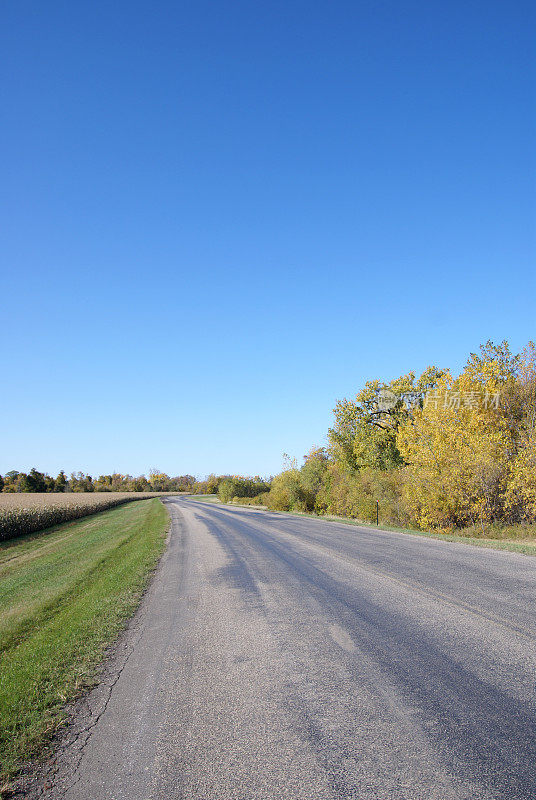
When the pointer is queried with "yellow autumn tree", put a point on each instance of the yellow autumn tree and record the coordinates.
(459, 445)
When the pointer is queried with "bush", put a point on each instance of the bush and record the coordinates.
(250, 501)
(289, 494)
(354, 495)
(240, 487)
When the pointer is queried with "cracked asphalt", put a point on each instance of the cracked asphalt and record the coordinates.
(288, 657)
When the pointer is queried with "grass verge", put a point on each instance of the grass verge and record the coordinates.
(64, 596)
(205, 498)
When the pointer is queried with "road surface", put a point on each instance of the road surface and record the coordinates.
(287, 657)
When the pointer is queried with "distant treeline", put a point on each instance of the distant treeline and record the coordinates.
(228, 486)
(434, 451)
(35, 481)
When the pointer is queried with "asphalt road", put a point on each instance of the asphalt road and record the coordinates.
(286, 657)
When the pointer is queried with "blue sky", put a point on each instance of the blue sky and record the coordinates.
(219, 218)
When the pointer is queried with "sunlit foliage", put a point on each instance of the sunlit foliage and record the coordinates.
(436, 451)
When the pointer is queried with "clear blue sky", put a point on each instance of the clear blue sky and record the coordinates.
(219, 218)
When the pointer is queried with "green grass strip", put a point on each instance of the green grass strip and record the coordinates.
(204, 498)
(64, 596)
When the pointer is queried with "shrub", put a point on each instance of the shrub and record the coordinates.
(250, 501)
(238, 486)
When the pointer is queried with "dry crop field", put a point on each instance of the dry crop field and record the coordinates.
(22, 513)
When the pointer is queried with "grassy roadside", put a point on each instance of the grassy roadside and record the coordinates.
(64, 596)
(205, 498)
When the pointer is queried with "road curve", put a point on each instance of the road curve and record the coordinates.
(287, 657)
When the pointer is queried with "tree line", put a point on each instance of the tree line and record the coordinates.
(35, 481)
(227, 486)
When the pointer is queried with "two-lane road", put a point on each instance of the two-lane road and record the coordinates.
(286, 657)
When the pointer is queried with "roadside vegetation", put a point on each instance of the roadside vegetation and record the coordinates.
(63, 599)
(434, 452)
(236, 486)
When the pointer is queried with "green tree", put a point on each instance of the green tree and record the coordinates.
(33, 482)
(226, 490)
(81, 483)
(365, 429)
(60, 484)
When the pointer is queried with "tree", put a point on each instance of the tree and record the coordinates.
(212, 484)
(159, 481)
(226, 490)
(313, 475)
(11, 481)
(365, 429)
(33, 482)
(60, 484)
(141, 484)
(81, 483)
(460, 443)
